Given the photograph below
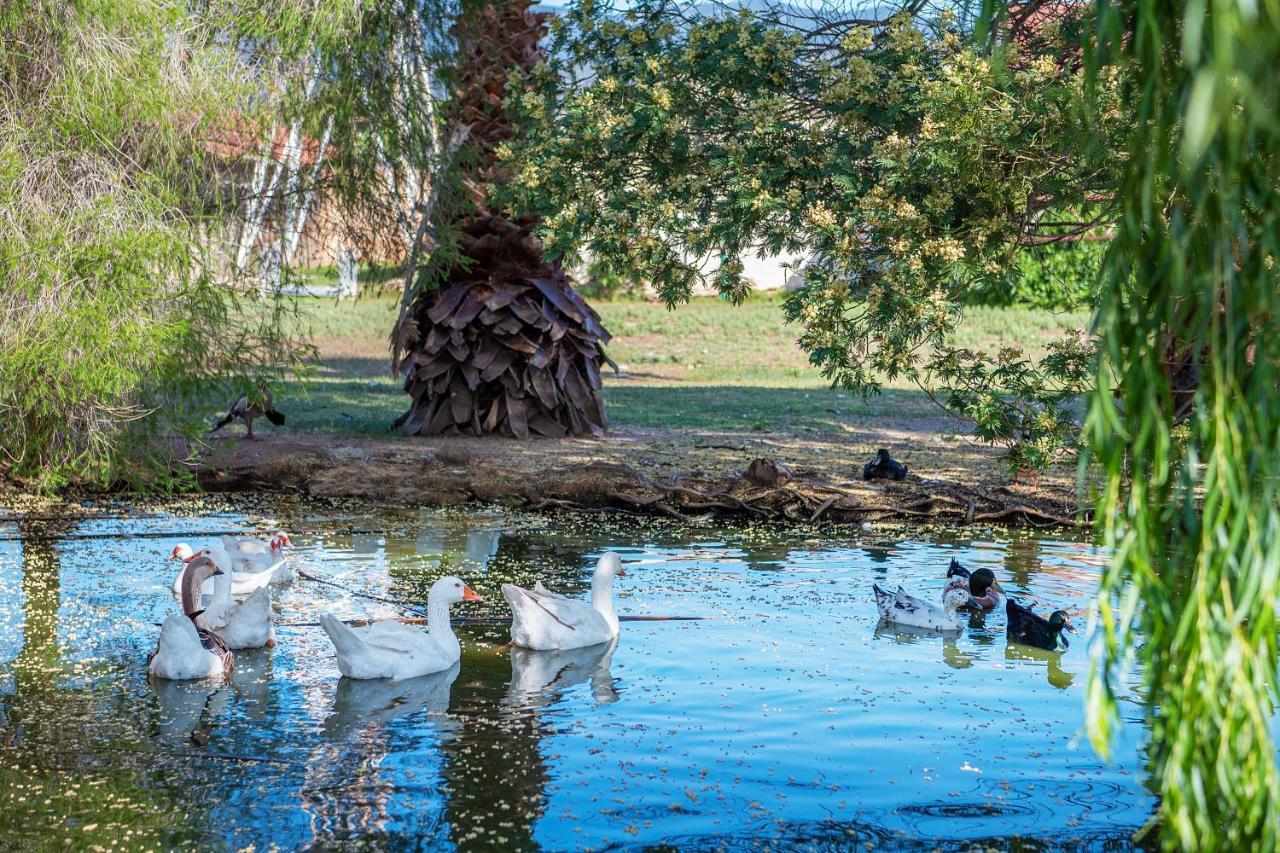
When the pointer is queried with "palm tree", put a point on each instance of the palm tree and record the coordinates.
(496, 339)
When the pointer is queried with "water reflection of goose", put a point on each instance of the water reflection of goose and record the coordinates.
(251, 681)
(188, 707)
(538, 677)
(361, 703)
(1057, 676)
(183, 705)
(952, 655)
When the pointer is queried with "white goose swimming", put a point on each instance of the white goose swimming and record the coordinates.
(392, 649)
(541, 619)
(250, 555)
(242, 625)
(243, 584)
(902, 609)
(186, 649)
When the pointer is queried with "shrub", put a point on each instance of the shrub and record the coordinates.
(110, 318)
(1058, 275)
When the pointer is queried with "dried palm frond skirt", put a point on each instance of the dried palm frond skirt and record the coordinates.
(505, 346)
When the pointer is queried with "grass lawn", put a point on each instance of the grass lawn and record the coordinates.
(705, 365)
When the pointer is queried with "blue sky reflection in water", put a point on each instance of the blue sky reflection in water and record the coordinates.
(787, 715)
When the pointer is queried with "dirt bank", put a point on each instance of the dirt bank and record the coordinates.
(678, 473)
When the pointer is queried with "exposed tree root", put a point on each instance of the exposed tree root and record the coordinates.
(812, 500)
(402, 474)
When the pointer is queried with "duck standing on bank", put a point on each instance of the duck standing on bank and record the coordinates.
(249, 410)
(902, 609)
(983, 588)
(541, 619)
(884, 467)
(1031, 629)
(187, 650)
(391, 649)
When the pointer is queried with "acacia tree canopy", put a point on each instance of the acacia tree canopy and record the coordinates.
(906, 162)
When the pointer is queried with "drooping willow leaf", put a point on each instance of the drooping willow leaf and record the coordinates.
(1190, 506)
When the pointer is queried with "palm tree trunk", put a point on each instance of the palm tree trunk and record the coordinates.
(498, 341)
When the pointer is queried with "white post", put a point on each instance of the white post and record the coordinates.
(269, 270)
(347, 272)
(260, 194)
(295, 223)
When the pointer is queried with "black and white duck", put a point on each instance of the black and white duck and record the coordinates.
(1031, 629)
(899, 608)
(983, 588)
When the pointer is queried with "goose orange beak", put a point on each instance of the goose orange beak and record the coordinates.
(620, 573)
(469, 594)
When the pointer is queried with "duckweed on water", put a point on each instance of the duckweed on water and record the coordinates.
(787, 716)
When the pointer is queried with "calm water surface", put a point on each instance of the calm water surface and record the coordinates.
(786, 717)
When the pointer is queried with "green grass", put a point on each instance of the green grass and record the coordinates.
(705, 365)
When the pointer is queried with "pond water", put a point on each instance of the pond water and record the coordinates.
(785, 718)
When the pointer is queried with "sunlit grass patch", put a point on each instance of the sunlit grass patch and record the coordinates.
(704, 365)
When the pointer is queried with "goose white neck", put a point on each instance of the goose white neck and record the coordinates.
(439, 627)
(602, 596)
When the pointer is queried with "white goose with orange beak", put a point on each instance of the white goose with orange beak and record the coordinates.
(243, 584)
(392, 649)
(253, 556)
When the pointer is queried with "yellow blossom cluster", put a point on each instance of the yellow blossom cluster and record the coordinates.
(819, 216)
(945, 249)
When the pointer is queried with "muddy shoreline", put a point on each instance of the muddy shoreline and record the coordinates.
(634, 472)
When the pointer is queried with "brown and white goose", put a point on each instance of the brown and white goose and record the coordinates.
(187, 650)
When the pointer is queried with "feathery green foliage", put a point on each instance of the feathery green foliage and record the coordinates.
(1194, 524)
(908, 165)
(112, 184)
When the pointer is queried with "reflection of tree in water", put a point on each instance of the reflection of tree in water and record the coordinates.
(1022, 560)
(767, 552)
(57, 735)
(461, 545)
(494, 771)
(38, 664)
(879, 554)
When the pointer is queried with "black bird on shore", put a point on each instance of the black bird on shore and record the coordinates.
(1032, 630)
(248, 411)
(884, 467)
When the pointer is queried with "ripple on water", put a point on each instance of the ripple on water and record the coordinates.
(789, 718)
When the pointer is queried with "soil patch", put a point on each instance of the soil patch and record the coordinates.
(677, 473)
